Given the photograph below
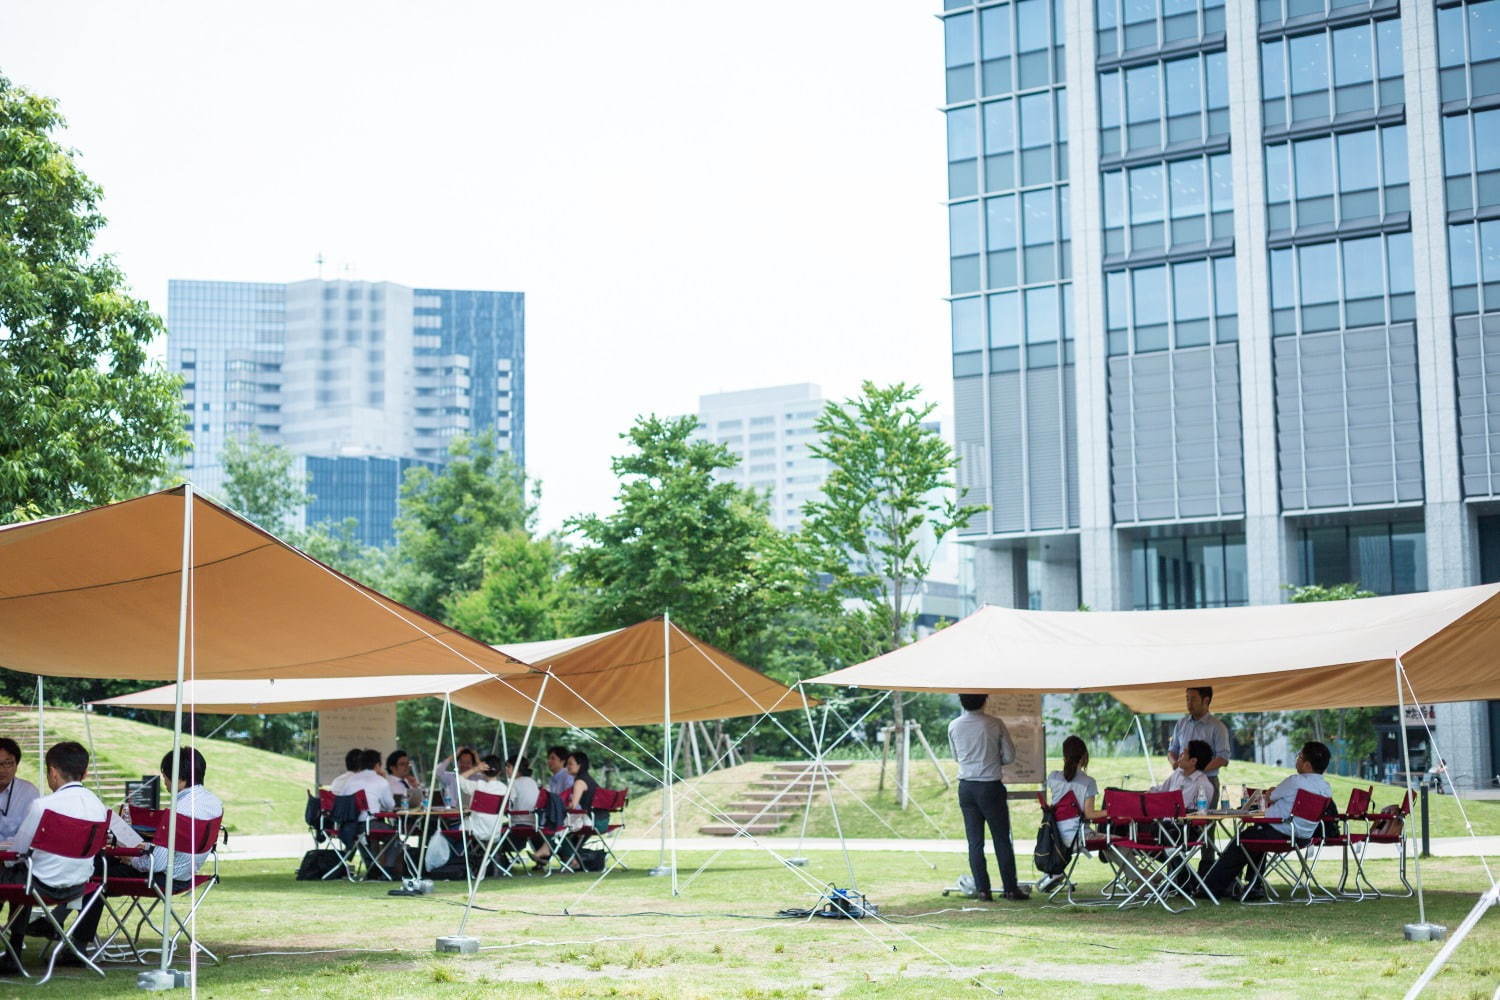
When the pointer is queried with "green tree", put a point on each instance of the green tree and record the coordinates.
(259, 482)
(1098, 717)
(684, 542)
(337, 544)
(448, 516)
(889, 499)
(85, 416)
(521, 596)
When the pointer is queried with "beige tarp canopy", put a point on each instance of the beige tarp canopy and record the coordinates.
(1335, 654)
(618, 673)
(97, 594)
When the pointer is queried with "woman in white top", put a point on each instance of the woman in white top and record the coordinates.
(483, 777)
(1073, 778)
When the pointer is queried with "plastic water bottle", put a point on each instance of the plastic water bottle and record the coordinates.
(1202, 803)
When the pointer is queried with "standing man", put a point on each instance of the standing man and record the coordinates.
(1198, 724)
(981, 744)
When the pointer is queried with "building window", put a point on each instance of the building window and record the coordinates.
(1354, 178)
(1201, 571)
(1344, 284)
(1331, 72)
(1471, 160)
(1388, 558)
(1278, 11)
(1173, 205)
(1163, 103)
(1128, 25)
(1469, 51)
(1474, 266)
(1186, 304)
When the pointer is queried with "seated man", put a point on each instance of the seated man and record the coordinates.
(559, 786)
(192, 800)
(405, 788)
(1311, 763)
(62, 878)
(16, 794)
(368, 779)
(1189, 778)
(351, 768)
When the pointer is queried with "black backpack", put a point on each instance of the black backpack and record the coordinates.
(316, 864)
(1052, 854)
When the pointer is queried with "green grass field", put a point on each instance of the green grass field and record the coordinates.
(262, 792)
(552, 938)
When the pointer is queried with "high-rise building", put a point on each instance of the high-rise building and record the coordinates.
(769, 431)
(359, 379)
(1225, 300)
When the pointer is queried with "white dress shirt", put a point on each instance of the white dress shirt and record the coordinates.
(1192, 786)
(1284, 794)
(377, 792)
(980, 744)
(55, 870)
(14, 803)
(197, 802)
(482, 825)
(523, 795)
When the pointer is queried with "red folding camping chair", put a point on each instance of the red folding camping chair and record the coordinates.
(332, 828)
(1387, 826)
(1158, 846)
(1357, 811)
(482, 804)
(144, 896)
(1124, 814)
(1275, 855)
(1082, 842)
(68, 837)
(598, 827)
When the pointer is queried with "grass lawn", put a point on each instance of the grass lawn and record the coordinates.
(263, 792)
(941, 804)
(721, 939)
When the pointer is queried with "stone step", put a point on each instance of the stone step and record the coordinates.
(790, 797)
(719, 830)
(746, 815)
(831, 765)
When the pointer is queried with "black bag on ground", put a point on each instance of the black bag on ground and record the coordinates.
(316, 864)
(592, 860)
(1051, 854)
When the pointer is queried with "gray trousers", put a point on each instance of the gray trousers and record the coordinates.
(983, 803)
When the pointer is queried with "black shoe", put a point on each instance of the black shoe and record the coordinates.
(9, 966)
(1017, 895)
(66, 958)
(41, 927)
(984, 897)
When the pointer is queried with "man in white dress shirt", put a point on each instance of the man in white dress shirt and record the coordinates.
(1311, 763)
(981, 745)
(1189, 778)
(67, 765)
(192, 800)
(16, 794)
(367, 779)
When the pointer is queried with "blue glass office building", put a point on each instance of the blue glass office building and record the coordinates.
(1225, 287)
(362, 380)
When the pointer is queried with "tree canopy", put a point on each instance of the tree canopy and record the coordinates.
(260, 482)
(85, 416)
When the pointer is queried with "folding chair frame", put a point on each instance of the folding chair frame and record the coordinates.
(148, 894)
(92, 837)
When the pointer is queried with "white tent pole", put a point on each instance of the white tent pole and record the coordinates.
(182, 623)
(458, 794)
(1411, 796)
(41, 735)
(432, 787)
(669, 827)
(1145, 750)
(510, 784)
(1490, 898)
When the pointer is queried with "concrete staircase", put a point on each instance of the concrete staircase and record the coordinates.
(19, 723)
(772, 800)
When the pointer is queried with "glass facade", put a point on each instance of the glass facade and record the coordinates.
(1335, 72)
(1388, 558)
(1175, 205)
(1327, 182)
(1197, 571)
(366, 488)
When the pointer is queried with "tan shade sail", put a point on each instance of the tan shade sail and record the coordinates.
(96, 594)
(1335, 654)
(599, 680)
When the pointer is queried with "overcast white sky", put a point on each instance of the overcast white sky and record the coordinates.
(695, 196)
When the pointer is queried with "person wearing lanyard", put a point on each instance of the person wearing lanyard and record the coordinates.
(1198, 724)
(16, 794)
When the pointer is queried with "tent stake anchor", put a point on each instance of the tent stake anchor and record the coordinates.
(164, 979)
(1425, 932)
(797, 862)
(661, 870)
(457, 944)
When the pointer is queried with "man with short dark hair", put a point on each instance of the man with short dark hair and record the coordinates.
(352, 764)
(16, 794)
(367, 779)
(1311, 763)
(1199, 724)
(405, 787)
(981, 745)
(63, 878)
(192, 799)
